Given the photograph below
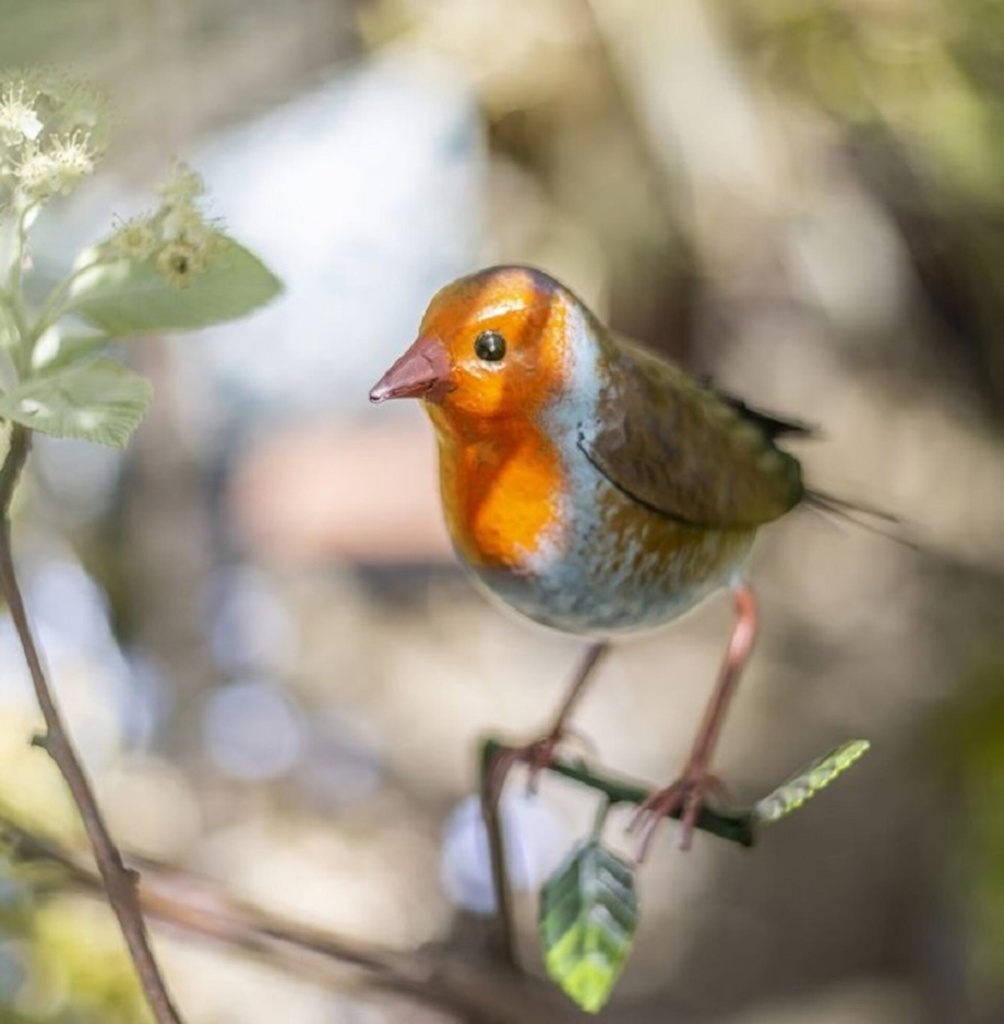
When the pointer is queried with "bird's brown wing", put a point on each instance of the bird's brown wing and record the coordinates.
(686, 452)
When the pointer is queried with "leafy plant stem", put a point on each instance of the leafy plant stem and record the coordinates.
(10, 337)
(56, 305)
(14, 284)
(6, 305)
(21, 237)
(119, 881)
(18, 323)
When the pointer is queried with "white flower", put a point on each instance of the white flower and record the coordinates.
(19, 121)
(134, 240)
(57, 168)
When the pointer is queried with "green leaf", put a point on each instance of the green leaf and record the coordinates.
(125, 297)
(587, 920)
(97, 401)
(790, 795)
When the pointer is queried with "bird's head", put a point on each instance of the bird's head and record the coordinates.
(491, 345)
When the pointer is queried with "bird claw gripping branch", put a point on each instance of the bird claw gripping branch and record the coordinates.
(538, 755)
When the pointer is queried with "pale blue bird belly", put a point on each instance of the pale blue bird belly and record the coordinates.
(615, 566)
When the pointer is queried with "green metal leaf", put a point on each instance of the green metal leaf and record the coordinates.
(98, 400)
(587, 920)
(125, 298)
(790, 795)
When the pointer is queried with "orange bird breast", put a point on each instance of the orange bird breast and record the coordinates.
(503, 501)
(502, 478)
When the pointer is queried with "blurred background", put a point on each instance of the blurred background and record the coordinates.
(271, 664)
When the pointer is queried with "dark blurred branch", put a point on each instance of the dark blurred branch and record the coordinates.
(441, 977)
(119, 882)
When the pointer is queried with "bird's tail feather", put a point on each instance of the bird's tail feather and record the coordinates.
(875, 520)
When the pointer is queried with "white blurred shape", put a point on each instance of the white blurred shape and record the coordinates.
(79, 476)
(15, 684)
(14, 957)
(847, 257)
(250, 628)
(679, 65)
(152, 807)
(365, 197)
(65, 601)
(342, 762)
(150, 698)
(252, 730)
(70, 618)
(534, 842)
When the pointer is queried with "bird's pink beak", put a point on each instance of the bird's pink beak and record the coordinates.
(422, 372)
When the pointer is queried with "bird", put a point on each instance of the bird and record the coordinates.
(593, 486)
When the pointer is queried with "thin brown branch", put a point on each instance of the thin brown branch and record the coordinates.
(120, 883)
(442, 977)
(491, 813)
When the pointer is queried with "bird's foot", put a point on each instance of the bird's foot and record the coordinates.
(684, 797)
(537, 755)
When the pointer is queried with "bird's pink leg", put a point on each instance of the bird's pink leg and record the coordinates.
(687, 793)
(539, 753)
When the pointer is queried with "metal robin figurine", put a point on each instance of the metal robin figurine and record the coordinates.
(591, 485)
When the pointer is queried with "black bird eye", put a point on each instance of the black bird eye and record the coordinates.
(489, 346)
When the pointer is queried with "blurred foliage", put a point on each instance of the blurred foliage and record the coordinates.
(899, 65)
(62, 960)
(970, 737)
(916, 91)
(55, 32)
(170, 270)
(913, 93)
